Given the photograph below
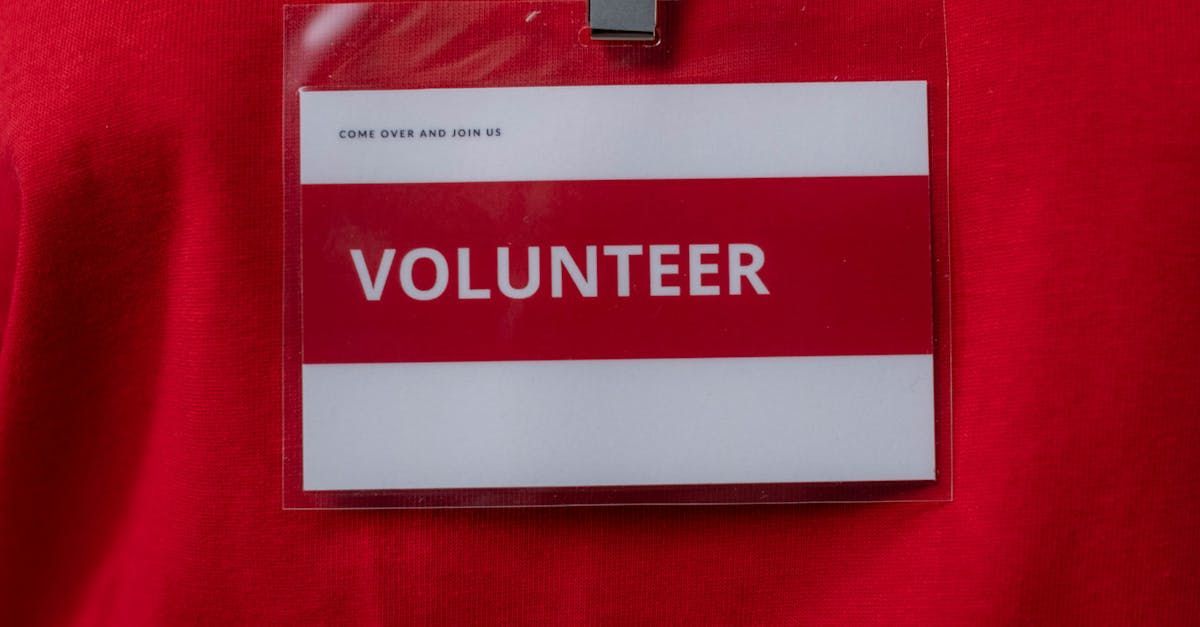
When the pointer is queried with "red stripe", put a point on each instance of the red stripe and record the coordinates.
(847, 264)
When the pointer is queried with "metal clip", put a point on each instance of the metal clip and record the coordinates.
(626, 20)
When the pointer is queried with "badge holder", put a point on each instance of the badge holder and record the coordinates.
(557, 253)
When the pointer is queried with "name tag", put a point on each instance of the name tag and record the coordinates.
(660, 285)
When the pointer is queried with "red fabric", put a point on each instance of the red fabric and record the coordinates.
(139, 365)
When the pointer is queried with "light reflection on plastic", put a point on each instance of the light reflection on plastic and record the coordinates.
(330, 23)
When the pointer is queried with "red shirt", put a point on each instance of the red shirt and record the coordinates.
(140, 248)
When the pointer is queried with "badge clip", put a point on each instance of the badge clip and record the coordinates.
(623, 20)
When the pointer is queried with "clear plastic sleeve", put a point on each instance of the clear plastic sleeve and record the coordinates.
(497, 400)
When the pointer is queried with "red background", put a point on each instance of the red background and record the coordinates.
(846, 262)
(139, 365)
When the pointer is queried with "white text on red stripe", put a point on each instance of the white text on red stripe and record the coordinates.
(701, 261)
